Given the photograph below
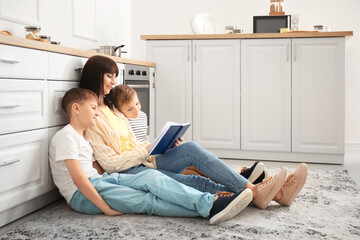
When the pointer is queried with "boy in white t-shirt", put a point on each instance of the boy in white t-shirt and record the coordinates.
(150, 191)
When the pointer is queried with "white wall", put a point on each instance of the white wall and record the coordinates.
(174, 17)
(106, 21)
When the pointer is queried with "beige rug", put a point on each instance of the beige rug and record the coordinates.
(327, 208)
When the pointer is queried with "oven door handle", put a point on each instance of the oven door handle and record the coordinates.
(138, 86)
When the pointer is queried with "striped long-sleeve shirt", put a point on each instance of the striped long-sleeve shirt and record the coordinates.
(114, 144)
(139, 127)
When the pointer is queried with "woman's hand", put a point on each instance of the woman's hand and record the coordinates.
(112, 212)
(178, 142)
(152, 159)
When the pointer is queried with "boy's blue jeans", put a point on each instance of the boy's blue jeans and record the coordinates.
(174, 161)
(149, 192)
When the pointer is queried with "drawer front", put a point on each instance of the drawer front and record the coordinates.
(56, 91)
(65, 67)
(18, 62)
(22, 105)
(24, 168)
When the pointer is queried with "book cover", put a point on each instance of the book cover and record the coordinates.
(168, 135)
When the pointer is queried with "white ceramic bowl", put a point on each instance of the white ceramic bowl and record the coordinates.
(204, 23)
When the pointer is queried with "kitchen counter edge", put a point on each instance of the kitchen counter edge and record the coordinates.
(299, 34)
(21, 42)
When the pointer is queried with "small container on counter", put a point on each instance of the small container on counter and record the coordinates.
(55, 42)
(32, 32)
(322, 28)
(285, 30)
(44, 38)
(234, 29)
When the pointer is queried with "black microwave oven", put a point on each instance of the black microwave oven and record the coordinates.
(271, 24)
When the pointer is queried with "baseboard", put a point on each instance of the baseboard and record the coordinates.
(352, 149)
(280, 156)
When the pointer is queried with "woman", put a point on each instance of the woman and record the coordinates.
(116, 149)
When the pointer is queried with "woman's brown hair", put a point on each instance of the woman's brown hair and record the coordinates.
(92, 77)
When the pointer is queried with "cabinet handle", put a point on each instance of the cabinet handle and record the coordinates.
(188, 47)
(287, 52)
(9, 61)
(9, 106)
(295, 51)
(138, 86)
(194, 52)
(9, 162)
(79, 69)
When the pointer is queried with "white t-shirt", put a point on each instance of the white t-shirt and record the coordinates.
(68, 144)
(139, 127)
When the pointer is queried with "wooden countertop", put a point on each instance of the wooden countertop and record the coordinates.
(297, 34)
(21, 42)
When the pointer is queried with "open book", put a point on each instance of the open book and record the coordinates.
(166, 139)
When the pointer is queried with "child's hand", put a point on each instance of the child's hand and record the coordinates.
(112, 212)
(178, 142)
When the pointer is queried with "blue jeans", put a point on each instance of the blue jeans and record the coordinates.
(149, 192)
(174, 161)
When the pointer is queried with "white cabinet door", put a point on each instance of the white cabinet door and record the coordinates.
(266, 94)
(56, 91)
(173, 90)
(216, 93)
(18, 62)
(318, 95)
(23, 105)
(24, 167)
(65, 67)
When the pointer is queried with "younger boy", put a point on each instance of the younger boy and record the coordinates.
(126, 101)
(113, 194)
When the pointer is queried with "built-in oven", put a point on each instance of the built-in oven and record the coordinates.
(138, 77)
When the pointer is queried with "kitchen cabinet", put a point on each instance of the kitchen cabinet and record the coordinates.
(19, 62)
(216, 93)
(266, 94)
(65, 67)
(173, 82)
(23, 167)
(318, 95)
(289, 105)
(22, 105)
(300, 107)
(56, 91)
(188, 88)
(33, 82)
